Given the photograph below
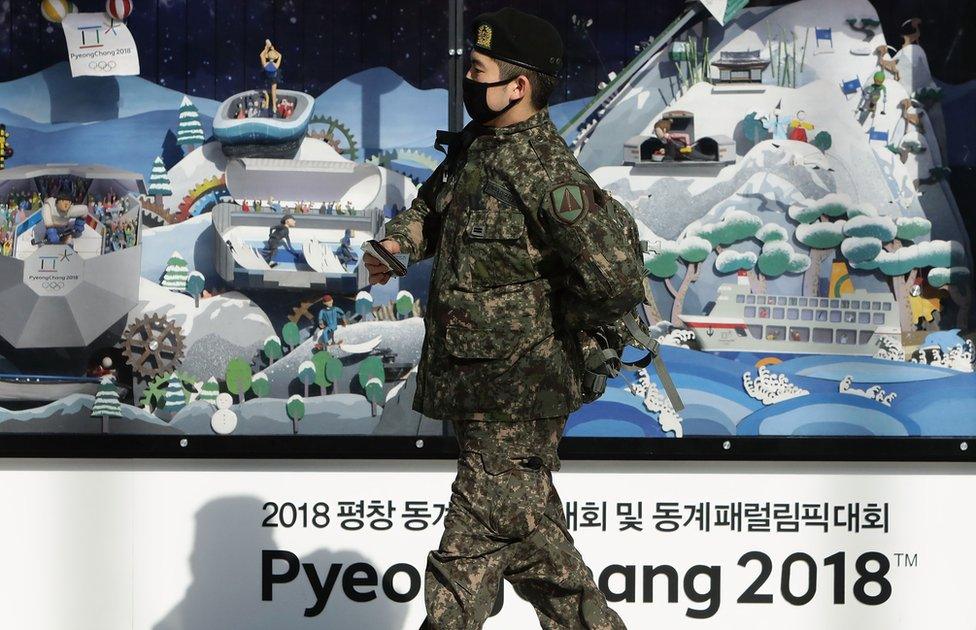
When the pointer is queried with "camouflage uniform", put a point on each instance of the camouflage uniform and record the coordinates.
(521, 238)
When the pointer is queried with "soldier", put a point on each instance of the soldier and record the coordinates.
(521, 236)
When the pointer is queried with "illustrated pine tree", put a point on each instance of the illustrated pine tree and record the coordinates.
(821, 228)
(295, 407)
(306, 374)
(159, 184)
(175, 397)
(896, 248)
(210, 391)
(195, 283)
(189, 133)
(176, 273)
(107, 402)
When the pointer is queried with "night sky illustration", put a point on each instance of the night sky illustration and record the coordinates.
(210, 47)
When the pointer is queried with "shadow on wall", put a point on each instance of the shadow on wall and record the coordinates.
(226, 589)
(371, 94)
(81, 99)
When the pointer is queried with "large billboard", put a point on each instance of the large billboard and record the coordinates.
(799, 177)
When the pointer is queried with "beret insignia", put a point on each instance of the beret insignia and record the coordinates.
(484, 36)
(568, 203)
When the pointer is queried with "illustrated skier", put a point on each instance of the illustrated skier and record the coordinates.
(870, 97)
(329, 318)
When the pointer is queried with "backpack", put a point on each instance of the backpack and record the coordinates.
(603, 344)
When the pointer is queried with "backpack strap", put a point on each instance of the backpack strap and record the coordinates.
(653, 356)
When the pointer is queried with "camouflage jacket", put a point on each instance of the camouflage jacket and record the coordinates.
(520, 237)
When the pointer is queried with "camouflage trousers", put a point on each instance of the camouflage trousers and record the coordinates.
(506, 520)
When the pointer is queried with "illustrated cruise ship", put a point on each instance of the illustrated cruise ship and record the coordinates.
(742, 321)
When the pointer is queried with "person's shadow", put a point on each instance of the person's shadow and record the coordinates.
(226, 590)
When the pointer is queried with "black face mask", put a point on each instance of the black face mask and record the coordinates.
(476, 100)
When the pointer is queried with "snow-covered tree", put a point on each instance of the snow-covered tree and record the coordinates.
(175, 397)
(159, 184)
(306, 374)
(374, 393)
(195, 283)
(885, 244)
(295, 408)
(189, 134)
(404, 304)
(364, 304)
(176, 272)
(260, 385)
(821, 228)
(107, 402)
(693, 248)
(209, 391)
(272, 348)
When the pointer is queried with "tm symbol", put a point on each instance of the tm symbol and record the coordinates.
(906, 559)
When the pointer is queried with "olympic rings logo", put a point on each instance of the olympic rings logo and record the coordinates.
(52, 285)
(102, 65)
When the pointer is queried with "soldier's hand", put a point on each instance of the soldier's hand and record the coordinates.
(378, 272)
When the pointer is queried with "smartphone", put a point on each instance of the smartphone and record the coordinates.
(379, 252)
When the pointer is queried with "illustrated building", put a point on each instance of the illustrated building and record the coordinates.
(740, 67)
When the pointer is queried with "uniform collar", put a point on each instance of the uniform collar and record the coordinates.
(450, 142)
(536, 119)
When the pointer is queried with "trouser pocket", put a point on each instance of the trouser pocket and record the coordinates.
(513, 492)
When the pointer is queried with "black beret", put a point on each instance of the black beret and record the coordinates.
(519, 38)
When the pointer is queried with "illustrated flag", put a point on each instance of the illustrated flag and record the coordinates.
(874, 134)
(99, 46)
(851, 87)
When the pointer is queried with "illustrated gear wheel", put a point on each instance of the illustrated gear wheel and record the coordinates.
(345, 145)
(153, 345)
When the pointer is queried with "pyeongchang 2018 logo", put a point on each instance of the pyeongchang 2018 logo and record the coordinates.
(701, 585)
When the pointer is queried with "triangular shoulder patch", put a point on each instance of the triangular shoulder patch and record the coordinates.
(569, 202)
